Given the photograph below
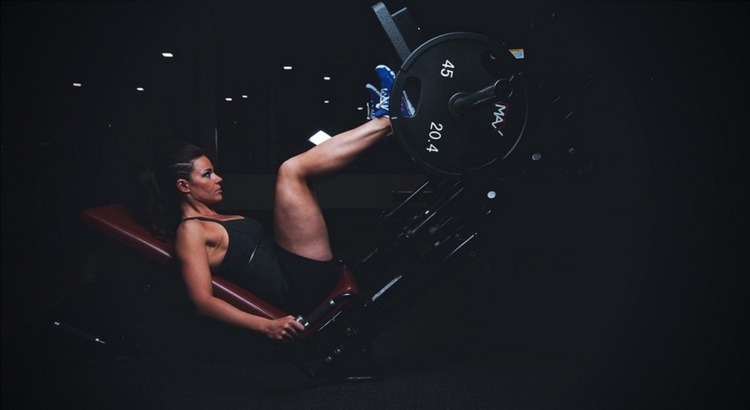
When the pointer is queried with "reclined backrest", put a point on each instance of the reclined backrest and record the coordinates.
(117, 222)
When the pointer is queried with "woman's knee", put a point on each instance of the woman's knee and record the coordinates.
(291, 180)
(291, 169)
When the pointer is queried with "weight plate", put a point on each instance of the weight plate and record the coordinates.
(458, 64)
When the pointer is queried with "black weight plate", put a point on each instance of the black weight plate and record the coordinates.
(436, 138)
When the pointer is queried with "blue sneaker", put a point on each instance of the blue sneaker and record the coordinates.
(387, 78)
(386, 84)
(374, 94)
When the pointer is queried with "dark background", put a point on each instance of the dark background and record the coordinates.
(633, 269)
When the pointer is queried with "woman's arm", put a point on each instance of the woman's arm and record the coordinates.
(192, 256)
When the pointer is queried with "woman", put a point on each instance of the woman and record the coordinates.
(293, 269)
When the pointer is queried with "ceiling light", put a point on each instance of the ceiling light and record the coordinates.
(167, 55)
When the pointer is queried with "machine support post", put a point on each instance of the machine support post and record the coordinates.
(400, 29)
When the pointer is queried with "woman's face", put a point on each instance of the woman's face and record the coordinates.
(204, 184)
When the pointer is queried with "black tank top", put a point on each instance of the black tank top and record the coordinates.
(251, 260)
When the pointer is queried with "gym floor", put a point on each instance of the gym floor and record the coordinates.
(448, 351)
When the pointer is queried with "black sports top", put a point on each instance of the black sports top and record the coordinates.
(251, 260)
(287, 281)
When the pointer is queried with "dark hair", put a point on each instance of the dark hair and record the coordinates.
(173, 160)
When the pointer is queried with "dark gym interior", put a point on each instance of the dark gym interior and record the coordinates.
(609, 279)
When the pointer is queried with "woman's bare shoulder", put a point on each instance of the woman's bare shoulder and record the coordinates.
(190, 228)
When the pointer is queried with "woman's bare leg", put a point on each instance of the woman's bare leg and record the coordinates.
(299, 226)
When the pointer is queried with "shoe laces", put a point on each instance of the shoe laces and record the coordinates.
(384, 98)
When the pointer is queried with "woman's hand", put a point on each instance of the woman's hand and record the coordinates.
(283, 329)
